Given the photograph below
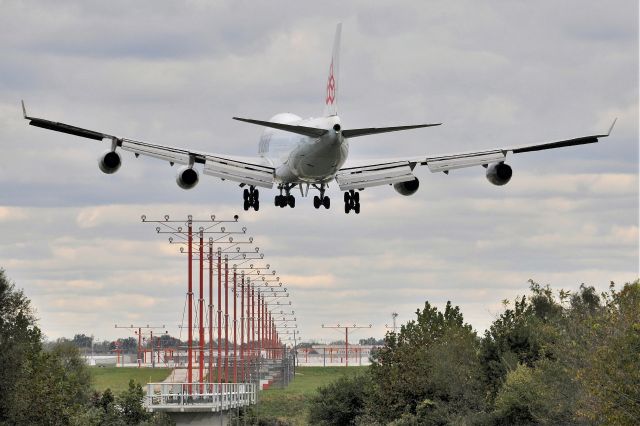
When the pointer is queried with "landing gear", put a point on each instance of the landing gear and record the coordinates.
(322, 200)
(283, 201)
(352, 201)
(251, 198)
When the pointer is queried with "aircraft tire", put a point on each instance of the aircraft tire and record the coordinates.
(347, 208)
(276, 201)
(356, 208)
(347, 196)
(316, 202)
(246, 205)
(291, 201)
(356, 197)
(326, 202)
(245, 194)
(256, 205)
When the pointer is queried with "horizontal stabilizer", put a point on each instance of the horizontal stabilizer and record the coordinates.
(353, 133)
(312, 132)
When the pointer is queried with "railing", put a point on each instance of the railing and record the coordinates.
(199, 396)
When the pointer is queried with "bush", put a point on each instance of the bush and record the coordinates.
(340, 402)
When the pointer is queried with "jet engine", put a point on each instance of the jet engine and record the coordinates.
(407, 188)
(187, 177)
(499, 173)
(109, 162)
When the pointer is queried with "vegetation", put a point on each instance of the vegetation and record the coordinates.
(572, 360)
(290, 406)
(551, 358)
(117, 378)
(53, 386)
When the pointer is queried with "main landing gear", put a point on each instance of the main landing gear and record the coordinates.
(352, 201)
(285, 200)
(251, 198)
(322, 200)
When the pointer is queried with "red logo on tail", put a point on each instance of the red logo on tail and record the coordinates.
(331, 87)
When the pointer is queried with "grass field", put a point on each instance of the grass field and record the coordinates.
(289, 404)
(292, 403)
(117, 378)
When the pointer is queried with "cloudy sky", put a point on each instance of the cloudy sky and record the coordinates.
(495, 73)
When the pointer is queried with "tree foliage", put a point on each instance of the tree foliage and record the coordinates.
(20, 340)
(428, 371)
(340, 402)
(53, 387)
(573, 359)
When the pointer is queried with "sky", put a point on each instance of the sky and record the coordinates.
(495, 73)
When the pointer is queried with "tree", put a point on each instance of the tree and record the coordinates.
(428, 371)
(610, 372)
(53, 387)
(340, 402)
(130, 402)
(20, 339)
(521, 335)
(82, 341)
(128, 345)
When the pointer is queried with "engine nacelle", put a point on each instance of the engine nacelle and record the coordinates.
(499, 173)
(407, 188)
(109, 162)
(187, 177)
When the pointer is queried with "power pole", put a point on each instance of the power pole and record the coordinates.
(346, 337)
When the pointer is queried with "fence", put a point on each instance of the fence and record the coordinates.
(212, 397)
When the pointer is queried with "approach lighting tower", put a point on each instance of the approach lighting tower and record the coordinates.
(346, 337)
(137, 329)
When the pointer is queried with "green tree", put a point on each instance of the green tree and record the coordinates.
(20, 340)
(53, 387)
(521, 335)
(340, 402)
(610, 348)
(431, 368)
(130, 403)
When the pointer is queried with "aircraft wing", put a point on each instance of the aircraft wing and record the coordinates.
(395, 171)
(236, 169)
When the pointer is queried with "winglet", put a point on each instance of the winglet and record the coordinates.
(612, 124)
(24, 110)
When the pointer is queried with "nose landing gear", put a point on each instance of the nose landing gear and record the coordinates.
(352, 201)
(251, 198)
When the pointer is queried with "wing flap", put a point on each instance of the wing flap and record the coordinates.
(172, 155)
(449, 162)
(237, 171)
(366, 177)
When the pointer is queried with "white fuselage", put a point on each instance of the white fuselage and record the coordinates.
(303, 159)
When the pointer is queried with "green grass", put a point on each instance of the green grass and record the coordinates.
(292, 402)
(117, 378)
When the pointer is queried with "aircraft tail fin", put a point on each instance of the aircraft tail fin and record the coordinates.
(331, 91)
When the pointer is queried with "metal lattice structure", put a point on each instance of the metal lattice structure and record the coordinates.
(250, 305)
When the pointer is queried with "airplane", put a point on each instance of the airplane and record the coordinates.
(307, 153)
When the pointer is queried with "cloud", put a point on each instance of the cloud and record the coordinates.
(497, 74)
